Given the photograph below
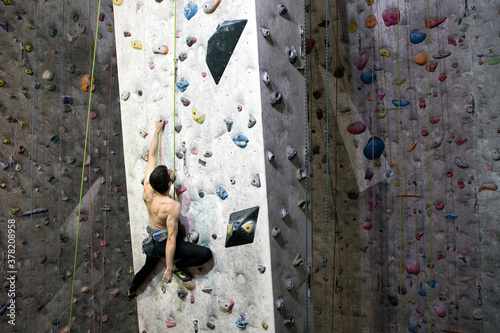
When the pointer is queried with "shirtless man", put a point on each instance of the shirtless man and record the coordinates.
(163, 212)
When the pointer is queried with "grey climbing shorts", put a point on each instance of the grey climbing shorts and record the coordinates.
(148, 244)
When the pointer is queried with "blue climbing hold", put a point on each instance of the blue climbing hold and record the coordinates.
(393, 299)
(422, 292)
(190, 10)
(464, 259)
(451, 216)
(368, 77)
(417, 37)
(432, 283)
(221, 192)
(374, 148)
(241, 141)
(413, 329)
(182, 84)
(399, 102)
(241, 322)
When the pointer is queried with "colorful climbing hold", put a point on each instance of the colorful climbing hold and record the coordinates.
(182, 84)
(417, 37)
(374, 148)
(137, 44)
(160, 49)
(368, 77)
(210, 6)
(190, 10)
(371, 21)
(353, 26)
(391, 16)
(421, 59)
(241, 141)
(385, 52)
(356, 128)
(362, 61)
(434, 22)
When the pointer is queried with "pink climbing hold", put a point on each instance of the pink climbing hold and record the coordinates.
(118, 189)
(372, 201)
(170, 323)
(204, 74)
(151, 65)
(88, 161)
(439, 310)
(83, 218)
(104, 242)
(362, 61)
(412, 265)
(101, 17)
(105, 318)
(356, 128)
(460, 142)
(368, 224)
(488, 167)
(93, 115)
(380, 94)
(97, 254)
(391, 16)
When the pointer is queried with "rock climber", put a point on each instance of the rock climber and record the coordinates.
(163, 212)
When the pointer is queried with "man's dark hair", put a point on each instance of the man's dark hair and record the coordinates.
(159, 179)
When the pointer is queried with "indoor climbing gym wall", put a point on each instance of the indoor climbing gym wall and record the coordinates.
(408, 241)
(64, 239)
(198, 65)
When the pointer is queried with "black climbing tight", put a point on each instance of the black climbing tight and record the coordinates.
(186, 255)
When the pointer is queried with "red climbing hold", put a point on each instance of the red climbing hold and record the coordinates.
(442, 77)
(451, 41)
(434, 120)
(425, 133)
(449, 174)
(460, 142)
(419, 235)
(434, 22)
(431, 68)
(440, 256)
(461, 184)
(421, 102)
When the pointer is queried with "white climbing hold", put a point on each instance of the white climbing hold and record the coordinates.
(251, 121)
(265, 78)
(143, 133)
(125, 95)
(256, 180)
(210, 6)
(270, 155)
(160, 49)
(48, 75)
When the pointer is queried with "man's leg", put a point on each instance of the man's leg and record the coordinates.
(191, 255)
(142, 274)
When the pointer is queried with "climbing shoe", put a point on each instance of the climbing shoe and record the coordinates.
(182, 275)
(130, 296)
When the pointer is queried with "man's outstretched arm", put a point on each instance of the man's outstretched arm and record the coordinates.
(153, 149)
(173, 215)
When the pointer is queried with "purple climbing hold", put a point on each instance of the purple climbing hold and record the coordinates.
(356, 128)
(362, 61)
(393, 299)
(291, 54)
(20, 149)
(37, 85)
(67, 100)
(4, 164)
(378, 65)
(368, 224)
(36, 211)
(5, 26)
(276, 98)
(289, 320)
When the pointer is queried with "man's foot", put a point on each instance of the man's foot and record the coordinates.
(182, 275)
(130, 296)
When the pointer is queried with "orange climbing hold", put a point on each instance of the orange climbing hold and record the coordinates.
(371, 21)
(434, 22)
(412, 146)
(86, 83)
(421, 59)
(393, 160)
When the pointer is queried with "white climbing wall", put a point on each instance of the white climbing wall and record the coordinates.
(235, 98)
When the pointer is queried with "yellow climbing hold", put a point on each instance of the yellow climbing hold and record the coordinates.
(377, 164)
(395, 327)
(229, 229)
(248, 227)
(14, 211)
(265, 326)
(2, 83)
(6, 141)
(385, 53)
(411, 301)
(28, 71)
(353, 26)
(397, 183)
(400, 82)
(31, 26)
(388, 212)
(411, 242)
(198, 117)
(118, 2)
(369, 2)
(97, 151)
(29, 48)
(7, 2)
(22, 123)
(384, 135)
(137, 44)
(3, 185)
(401, 271)
(381, 115)
(110, 29)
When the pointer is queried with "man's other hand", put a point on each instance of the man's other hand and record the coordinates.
(160, 123)
(167, 277)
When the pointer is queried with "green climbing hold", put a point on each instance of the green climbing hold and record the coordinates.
(74, 17)
(464, 28)
(42, 260)
(70, 159)
(54, 138)
(50, 179)
(46, 220)
(70, 68)
(52, 32)
(493, 61)
(63, 238)
(50, 87)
